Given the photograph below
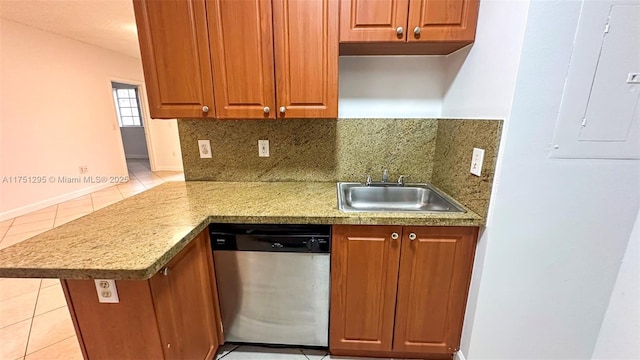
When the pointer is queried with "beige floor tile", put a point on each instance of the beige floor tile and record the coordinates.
(83, 209)
(50, 328)
(129, 193)
(8, 240)
(131, 185)
(248, 352)
(14, 340)
(65, 219)
(49, 282)
(84, 202)
(109, 192)
(15, 287)
(3, 231)
(50, 298)
(166, 175)
(6, 223)
(17, 308)
(67, 349)
(150, 184)
(31, 218)
(4, 227)
(100, 203)
(30, 227)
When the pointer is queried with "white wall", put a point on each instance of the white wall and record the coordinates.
(619, 336)
(58, 113)
(480, 83)
(557, 229)
(480, 79)
(391, 86)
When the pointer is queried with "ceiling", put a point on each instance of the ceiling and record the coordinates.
(108, 24)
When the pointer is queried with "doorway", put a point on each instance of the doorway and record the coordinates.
(132, 126)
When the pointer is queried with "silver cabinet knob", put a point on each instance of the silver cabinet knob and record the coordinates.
(165, 271)
(412, 236)
(205, 108)
(395, 236)
(417, 30)
(266, 109)
(399, 30)
(283, 109)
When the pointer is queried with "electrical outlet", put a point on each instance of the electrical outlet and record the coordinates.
(263, 148)
(205, 149)
(83, 169)
(107, 292)
(476, 161)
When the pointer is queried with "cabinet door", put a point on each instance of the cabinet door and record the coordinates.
(242, 55)
(184, 304)
(174, 48)
(373, 20)
(442, 20)
(306, 55)
(435, 271)
(364, 274)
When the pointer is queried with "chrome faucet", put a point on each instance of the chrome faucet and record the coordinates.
(401, 179)
(385, 179)
(368, 181)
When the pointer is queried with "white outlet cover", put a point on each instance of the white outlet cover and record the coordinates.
(476, 161)
(205, 149)
(263, 148)
(107, 292)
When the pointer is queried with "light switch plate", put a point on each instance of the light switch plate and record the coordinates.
(263, 148)
(476, 161)
(107, 292)
(205, 149)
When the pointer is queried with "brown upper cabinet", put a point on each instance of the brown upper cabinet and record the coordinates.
(399, 291)
(429, 27)
(174, 48)
(262, 59)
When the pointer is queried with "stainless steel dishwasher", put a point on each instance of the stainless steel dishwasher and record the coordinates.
(273, 282)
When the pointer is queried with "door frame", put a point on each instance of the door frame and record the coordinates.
(146, 118)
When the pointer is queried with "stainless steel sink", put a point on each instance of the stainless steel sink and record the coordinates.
(357, 197)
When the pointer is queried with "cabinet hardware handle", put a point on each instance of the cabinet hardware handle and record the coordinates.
(412, 236)
(395, 236)
(205, 108)
(165, 271)
(266, 109)
(283, 109)
(416, 31)
(399, 30)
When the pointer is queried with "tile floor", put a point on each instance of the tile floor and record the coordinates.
(34, 319)
(248, 352)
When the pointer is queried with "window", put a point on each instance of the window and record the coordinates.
(127, 104)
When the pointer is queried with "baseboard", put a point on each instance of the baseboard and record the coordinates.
(459, 355)
(52, 201)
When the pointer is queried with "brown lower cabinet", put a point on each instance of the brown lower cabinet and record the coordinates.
(173, 315)
(399, 291)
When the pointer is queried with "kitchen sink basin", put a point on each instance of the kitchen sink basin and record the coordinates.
(358, 197)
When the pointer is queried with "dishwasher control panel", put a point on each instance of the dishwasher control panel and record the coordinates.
(271, 237)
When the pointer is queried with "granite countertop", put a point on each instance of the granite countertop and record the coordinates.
(134, 238)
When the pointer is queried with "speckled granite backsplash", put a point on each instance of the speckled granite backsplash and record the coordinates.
(428, 150)
(454, 146)
(309, 149)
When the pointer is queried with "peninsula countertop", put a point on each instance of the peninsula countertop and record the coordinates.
(136, 237)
